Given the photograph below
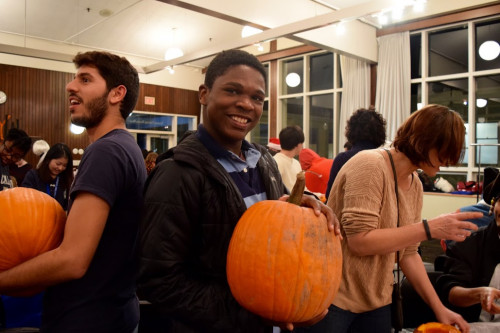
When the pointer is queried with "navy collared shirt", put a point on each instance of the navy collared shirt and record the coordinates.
(244, 173)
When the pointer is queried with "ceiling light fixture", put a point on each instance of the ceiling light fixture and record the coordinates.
(481, 102)
(292, 80)
(249, 31)
(75, 129)
(173, 51)
(340, 29)
(489, 50)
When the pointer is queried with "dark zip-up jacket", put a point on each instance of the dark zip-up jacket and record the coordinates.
(191, 208)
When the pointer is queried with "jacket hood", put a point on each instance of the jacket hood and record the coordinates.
(307, 157)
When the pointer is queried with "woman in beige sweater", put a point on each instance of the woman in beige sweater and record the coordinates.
(364, 199)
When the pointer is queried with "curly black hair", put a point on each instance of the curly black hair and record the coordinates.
(366, 125)
(219, 65)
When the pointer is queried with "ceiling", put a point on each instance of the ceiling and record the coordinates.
(142, 30)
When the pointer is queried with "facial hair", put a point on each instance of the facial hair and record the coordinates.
(97, 110)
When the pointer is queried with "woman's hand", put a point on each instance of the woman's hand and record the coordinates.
(320, 208)
(446, 316)
(453, 226)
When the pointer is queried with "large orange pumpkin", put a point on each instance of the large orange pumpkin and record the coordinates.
(32, 222)
(283, 264)
(436, 328)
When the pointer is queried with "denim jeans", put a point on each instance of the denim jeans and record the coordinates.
(341, 321)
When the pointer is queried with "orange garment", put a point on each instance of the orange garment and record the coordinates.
(317, 170)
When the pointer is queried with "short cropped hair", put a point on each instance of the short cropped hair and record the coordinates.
(116, 71)
(226, 59)
(290, 137)
(432, 127)
(366, 125)
(20, 140)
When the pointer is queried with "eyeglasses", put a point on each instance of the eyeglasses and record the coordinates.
(9, 152)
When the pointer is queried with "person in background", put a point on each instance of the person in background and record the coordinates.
(470, 282)
(347, 146)
(291, 141)
(54, 175)
(194, 197)
(15, 146)
(274, 146)
(365, 129)
(380, 216)
(483, 206)
(150, 161)
(91, 275)
(317, 170)
(19, 169)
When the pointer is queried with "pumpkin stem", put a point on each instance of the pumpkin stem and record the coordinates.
(298, 189)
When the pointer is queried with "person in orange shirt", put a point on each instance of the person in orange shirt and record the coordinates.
(317, 170)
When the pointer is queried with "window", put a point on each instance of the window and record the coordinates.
(310, 92)
(448, 51)
(459, 76)
(260, 133)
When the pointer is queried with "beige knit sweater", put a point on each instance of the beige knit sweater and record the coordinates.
(363, 198)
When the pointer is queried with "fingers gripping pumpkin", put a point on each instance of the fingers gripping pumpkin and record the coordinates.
(283, 264)
(32, 222)
(436, 328)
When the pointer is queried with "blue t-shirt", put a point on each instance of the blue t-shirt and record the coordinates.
(104, 300)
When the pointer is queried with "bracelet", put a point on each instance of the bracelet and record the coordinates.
(427, 230)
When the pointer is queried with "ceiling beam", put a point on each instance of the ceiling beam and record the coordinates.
(287, 30)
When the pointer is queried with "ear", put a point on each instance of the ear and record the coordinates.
(117, 94)
(202, 94)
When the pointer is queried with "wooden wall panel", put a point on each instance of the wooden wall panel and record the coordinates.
(37, 102)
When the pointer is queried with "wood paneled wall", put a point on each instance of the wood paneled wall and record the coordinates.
(37, 102)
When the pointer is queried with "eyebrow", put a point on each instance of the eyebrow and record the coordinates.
(239, 85)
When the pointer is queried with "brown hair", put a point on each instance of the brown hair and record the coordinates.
(432, 127)
(116, 71)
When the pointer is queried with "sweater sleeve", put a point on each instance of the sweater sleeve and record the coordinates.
(362, 180)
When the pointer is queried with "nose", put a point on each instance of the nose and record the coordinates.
(70, 86)
(245, 102)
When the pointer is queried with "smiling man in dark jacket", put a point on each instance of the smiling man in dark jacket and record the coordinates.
(195, 197)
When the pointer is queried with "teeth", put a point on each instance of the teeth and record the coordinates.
(240, 120)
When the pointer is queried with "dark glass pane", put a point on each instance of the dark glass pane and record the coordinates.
(321, 72)
(292, 112)
(416, 96)
(260, 132)
(159, 145)
(488, 32)
(339, 72)
(321, 124)
(416, 55)
(292, 80)
(150, 122)
(453, 94)
(184, 124)
(487, 119)
(448, 51)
